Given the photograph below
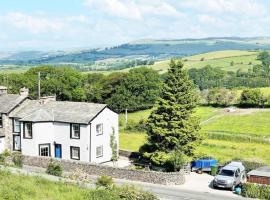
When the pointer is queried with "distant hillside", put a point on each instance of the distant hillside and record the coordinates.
(152, 49)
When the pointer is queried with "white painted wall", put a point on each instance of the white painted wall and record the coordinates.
(42, 133)
(2, 144)
(50, 132)
(62, 136)
(109, 120)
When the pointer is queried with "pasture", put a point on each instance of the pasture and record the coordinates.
(230, 60)
(243, 134)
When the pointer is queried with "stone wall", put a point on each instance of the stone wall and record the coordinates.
(174, 178)
(6, 131)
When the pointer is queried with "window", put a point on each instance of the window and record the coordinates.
(27, 130)
(45, 150)
(99, 129)
(75, 131)
(16, 126)
(75, 153)
(99, 151)
(1, 120)
(16, 143)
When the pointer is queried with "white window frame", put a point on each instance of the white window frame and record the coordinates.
(18, 125)
(77, 131)
(26, 130)
(101, 151)
(45, 146)
(71, 153)
(99, 129)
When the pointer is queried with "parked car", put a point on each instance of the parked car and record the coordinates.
(230, 176)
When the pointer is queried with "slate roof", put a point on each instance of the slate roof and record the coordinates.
(262, 171)
(58, 111)
(9, 101)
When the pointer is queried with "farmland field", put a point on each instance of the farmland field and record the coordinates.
(218, 59)
(243, 134)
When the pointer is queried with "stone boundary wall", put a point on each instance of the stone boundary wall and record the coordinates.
(174, 178)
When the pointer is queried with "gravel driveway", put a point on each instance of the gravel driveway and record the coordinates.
(202, 183)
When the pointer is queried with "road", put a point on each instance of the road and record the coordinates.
(163, 192)
(174, 193)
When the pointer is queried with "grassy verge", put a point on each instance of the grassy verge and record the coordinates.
(23, 187)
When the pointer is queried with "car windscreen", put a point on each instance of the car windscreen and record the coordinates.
(225, 172)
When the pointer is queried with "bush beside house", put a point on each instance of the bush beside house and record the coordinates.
(252, 190)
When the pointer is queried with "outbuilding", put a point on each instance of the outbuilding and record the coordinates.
(260, 175)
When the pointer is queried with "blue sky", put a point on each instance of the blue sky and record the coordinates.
(77, 24)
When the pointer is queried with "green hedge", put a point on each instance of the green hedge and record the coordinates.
(251, 165)
(252, 190)
(237, 138)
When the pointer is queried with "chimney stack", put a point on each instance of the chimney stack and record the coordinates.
(24, 92)
(44, 100)
(3, 90)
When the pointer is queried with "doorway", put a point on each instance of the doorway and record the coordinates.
(58, 150)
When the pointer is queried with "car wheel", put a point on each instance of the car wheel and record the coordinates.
(233, 188)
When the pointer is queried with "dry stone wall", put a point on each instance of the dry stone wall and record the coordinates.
(174, 178)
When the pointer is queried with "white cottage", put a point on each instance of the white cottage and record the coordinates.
(64, 130)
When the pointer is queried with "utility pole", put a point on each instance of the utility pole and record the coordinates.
(126, 117)
(38, 85)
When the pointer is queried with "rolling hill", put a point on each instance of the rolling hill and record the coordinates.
(154, 49)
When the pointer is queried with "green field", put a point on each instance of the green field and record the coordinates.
(243, 134)
(218, 59)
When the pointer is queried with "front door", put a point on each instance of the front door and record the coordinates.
(58, 151)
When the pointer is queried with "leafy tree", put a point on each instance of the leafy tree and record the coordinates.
(251, 98)
(138, 90)
(172, 125)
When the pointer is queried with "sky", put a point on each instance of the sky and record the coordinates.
(80, 24)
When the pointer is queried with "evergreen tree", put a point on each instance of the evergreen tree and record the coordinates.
(172, 126)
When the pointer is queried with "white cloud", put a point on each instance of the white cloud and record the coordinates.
(33, 24)
(238, 7)
(134, 9)
(40, 23)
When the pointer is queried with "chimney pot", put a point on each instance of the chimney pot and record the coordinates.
(24, 92)
(3, 90)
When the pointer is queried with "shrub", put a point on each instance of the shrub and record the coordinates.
(177, 161)
(17, 159)
(101, 194)
(2, 159)
(251, 165)
(132, 193)
(252, 190)
(105, 181)
(54, 169)
(251, 98)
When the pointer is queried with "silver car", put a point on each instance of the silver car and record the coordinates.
(230, 176)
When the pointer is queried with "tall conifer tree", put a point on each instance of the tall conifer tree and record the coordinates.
(172, 126)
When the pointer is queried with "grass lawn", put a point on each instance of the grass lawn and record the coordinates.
(132, 141)
(255, 124)
(21, 187)
(227, 150)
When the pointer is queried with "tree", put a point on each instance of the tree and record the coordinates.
(172, 126)
(137, 91)
(251, 98)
